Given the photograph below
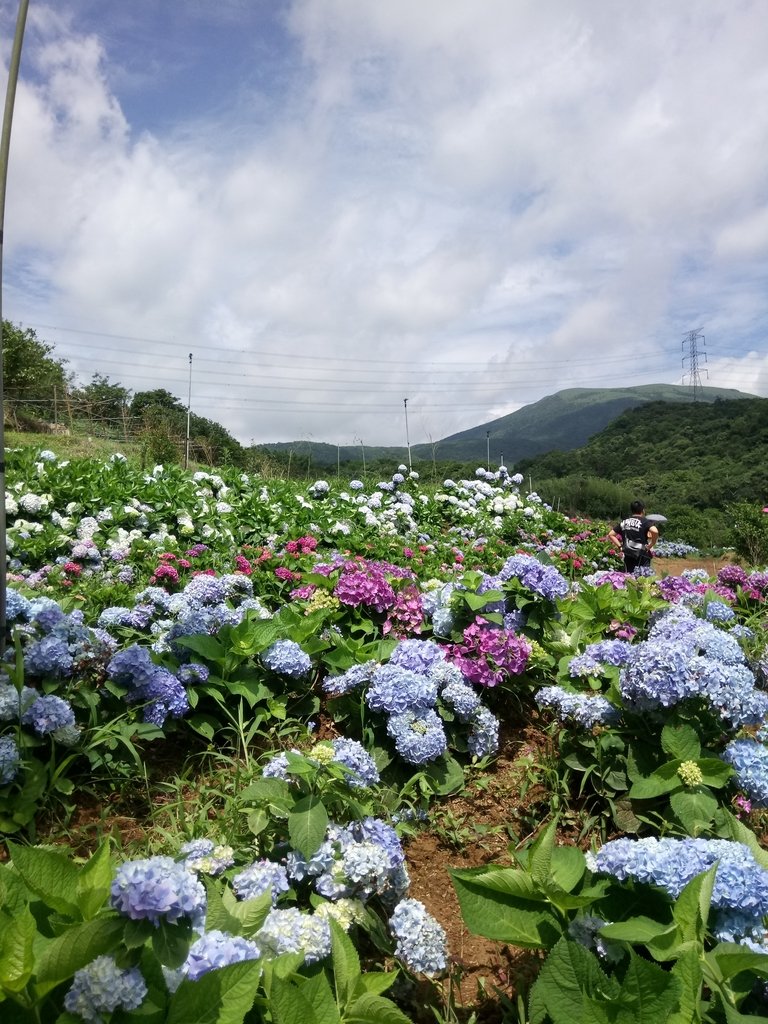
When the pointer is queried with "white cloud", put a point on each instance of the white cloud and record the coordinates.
(467, 205)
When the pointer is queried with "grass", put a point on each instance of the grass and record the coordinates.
(74, 446)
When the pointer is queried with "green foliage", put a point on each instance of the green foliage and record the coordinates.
(31, 373)
(749, 531)
(657, 960)
(683, 459)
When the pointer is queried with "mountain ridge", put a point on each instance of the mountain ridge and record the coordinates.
(562, 421)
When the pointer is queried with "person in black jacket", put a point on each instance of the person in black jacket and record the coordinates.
(636, 536)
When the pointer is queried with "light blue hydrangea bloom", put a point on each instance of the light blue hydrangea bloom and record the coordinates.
(750, 760)
(10, 761)
(286, 658)
(418, 734)
(102, 987)
(421, 940)
(291, 931)
(215, 949)
(158, 889)
(48, 714)
(260, 877)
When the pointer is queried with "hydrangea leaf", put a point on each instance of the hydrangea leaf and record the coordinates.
(346, 964)
(16, 951)
(307, 825)
(67, 953)
(207, 646)
(695, 809)
(51, 876)
(373, 1009)
(223, 996)
(681, 742)
(526, 922)
(570, 977)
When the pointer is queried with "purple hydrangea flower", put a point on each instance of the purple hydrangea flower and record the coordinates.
(47, 714)
(395, 689)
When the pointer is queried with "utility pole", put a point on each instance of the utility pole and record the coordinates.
(5, 146)
(189, 415)
(407, 439)
(692, 339)
(488, 450)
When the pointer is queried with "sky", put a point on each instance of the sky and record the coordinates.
(384, 223)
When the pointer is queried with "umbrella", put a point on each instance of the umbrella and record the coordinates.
(656, 518)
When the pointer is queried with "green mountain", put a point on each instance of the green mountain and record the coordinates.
(563, 421)
(687, 461)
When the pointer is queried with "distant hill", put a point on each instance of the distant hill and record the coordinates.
(686, 460)
(563, 421)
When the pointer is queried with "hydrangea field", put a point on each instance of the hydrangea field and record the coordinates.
(292, 679)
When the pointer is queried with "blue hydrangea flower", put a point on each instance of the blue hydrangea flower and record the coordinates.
(417, 655)
(215, 949)
(205, 856)
(102, 987)
(261, 876)
(462, 699)
(545, 580)
(356, 758)
(740, 883)
(12, 703)
(595, 656)
(421, 940)
(586, 709)
(157, 889)
(10, 761)
(47, 714)
(352, 679)
(750, 759)
(286, 658)
(483, 739)
(719, 611)
(418, 734)
(49, 657)
(290, 931)
(17, 607)
(395, 689)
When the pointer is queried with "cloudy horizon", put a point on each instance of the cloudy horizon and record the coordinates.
(337, 206)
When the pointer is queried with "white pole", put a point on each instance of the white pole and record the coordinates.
(5, 145)
(407, 439)
(189, 415)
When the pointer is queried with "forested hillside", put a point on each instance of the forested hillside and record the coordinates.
(687, 461)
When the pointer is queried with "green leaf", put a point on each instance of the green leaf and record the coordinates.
(268, 791)
(318, 993)
(570, 976)
(687, 970)
(204, 725)
(51, 876)
(136, 933)
(346, 964)
(681, 742)
(445, 774)
(715, 772)
(691, 909)
(377, 982)
(636, 930)
(171, 942)
(567, 867)
(59, 958)
(223, 996)
(540, 858)
(731, 959)
(648, 993)
(737, 830)
(663, 780)
(251, 914)
(207, 646)
(16, 951)
(94, 881)
(372, 1009)
(695, 808)
(307, 825)
(503, 916)
(288, 1003)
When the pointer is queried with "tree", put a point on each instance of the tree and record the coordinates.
(35, 381)
(103, 402)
